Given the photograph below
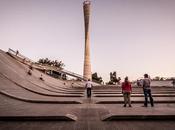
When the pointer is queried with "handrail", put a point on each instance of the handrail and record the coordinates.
(17, 54)
(66, 71)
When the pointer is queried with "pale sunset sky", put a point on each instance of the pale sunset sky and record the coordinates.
(131, 37)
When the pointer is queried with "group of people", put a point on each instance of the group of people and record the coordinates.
(127, 90)
(30, 73)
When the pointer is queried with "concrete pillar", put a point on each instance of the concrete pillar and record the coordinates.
(87, 63)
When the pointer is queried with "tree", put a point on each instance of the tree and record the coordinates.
(113, 78)
(97, 79)
(157, 78)
(55, 63)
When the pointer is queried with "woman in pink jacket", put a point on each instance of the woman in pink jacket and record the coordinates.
(126, 90)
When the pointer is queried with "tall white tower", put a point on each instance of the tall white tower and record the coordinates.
(87, 63)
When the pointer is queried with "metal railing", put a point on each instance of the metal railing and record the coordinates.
(18, 55)
(25, 59)
(72, 73)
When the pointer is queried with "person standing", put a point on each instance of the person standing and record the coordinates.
(17, 52)
(88, 87)
(126, 90)
(147, 90)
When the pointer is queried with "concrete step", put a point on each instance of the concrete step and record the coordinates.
(39, 100)
(137, 112)
(35, 89)
(111, 117)
(133, 95)
(67, 117)
(136, 92)
(134, 102)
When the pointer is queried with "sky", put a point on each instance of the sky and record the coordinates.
(131, 37)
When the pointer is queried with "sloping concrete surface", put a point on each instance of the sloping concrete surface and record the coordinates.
(30, 103)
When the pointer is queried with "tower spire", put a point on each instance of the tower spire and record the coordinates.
(87, 64)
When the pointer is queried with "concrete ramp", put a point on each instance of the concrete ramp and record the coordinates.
(26, 102)
(137, 112)
(111, 117)
(48, 101)
(67, 117)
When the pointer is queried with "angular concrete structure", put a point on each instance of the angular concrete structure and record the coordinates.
(30, 103)
(87, 64)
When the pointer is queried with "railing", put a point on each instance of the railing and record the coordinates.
(47, 67)
(22, 57)
(72, 73)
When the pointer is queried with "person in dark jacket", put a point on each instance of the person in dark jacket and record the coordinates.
(126, 90)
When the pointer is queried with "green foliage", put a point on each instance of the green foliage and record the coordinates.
(46, 61)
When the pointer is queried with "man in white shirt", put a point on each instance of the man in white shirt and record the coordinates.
(88, 87)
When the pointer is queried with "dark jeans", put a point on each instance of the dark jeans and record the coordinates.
(88, 92)
(147, 92)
